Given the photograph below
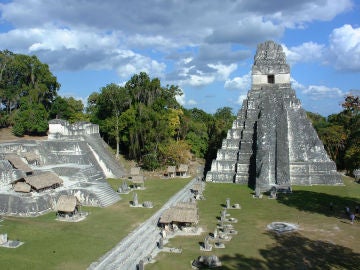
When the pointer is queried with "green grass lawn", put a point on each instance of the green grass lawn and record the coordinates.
(50, 244)
(325, 240)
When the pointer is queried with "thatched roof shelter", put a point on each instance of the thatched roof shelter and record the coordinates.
(186, 205)
(171, 171)
(67, 203)
(183, 168)
(138, 179)
(42, 181)
(181, 213)
(18, 163)
(135, 171)
(22, 187)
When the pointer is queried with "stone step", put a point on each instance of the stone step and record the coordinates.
(227, 154)
(220, 177)
(230, 143)
(106, 195)
(223, 165)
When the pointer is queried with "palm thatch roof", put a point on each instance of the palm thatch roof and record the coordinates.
(186, 205)
(22, 187)
(18, 163)
(135, 171)
(43, 180)
(171, 169)
(67, 203)
(183, 215)
(182, 212)
(137, 179)
(183, 168)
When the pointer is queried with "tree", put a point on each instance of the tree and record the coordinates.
(113, 99)
(24, 77)
(351, 107)
(68, 109)
(334, 138)
(39, 119)
(352, 104)
(138, 118)
(222, 122)
(195, 128)
(175, 152)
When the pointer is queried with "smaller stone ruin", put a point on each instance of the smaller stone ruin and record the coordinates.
(73, 161)
(211, 261)
(5, 242)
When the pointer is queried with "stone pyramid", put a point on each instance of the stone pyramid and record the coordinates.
(272, 142)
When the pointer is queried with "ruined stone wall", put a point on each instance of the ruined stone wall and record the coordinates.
(59, 128)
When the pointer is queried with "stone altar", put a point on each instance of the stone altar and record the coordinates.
(272, 142)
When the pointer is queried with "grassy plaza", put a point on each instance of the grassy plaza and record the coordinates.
(325, 239)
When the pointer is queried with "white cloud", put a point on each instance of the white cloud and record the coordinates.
(241, 83)
(157, 41)
(199, 80)
(54, 39)
(181, 99)
(191, 102)
(345, 48)
(247, 30)
(187, 42)
(299, 13)
(306, 52)
(223, 71)
(136, 63)
(296, 85)
(76, 49)
(317, 92)
(240, 99)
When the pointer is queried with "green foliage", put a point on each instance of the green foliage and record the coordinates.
(150, 161)
(221, 123)
(68, 109)
(175, 152)
(194, 128)
(18, 129)
(138, 117)
(340, 134)
(38, 124)
(24, 79)
(145, 121)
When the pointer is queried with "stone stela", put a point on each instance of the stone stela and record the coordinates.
(272, 142)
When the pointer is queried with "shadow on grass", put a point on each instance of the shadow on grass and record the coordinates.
(293, 251)
(319, 202)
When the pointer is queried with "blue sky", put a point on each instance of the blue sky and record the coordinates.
(205, 47)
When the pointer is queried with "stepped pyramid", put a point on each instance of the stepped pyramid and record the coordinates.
(272, 142)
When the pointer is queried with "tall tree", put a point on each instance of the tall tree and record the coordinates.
(140, 117)
(113, 100)
(68, 108)
(24, 77)
(222, 122)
